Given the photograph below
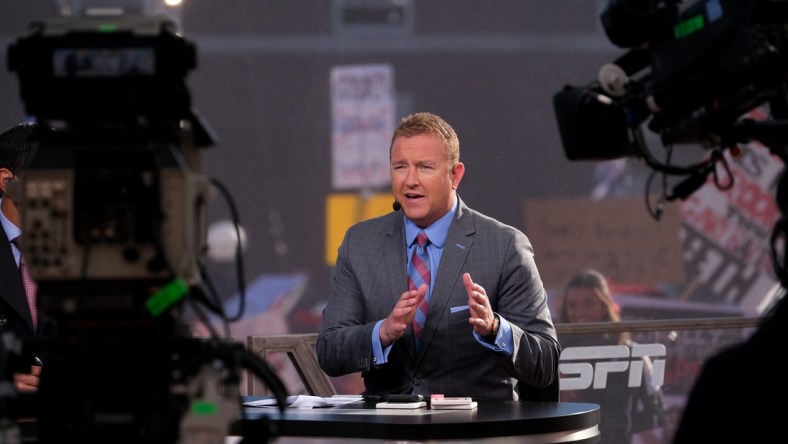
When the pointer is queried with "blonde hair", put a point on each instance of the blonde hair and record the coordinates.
(428, 123)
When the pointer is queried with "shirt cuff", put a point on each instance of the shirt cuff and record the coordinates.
(503, 342)
(380, 355)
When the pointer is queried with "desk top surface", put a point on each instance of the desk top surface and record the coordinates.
(363, 420)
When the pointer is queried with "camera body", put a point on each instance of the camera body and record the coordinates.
(113, 191)
(689, 75)
(101, 70)
(112, 203)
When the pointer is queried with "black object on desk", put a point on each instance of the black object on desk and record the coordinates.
(539, 421)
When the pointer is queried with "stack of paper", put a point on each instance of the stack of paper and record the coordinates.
(453, 403)
(402, 405)
(307, 402)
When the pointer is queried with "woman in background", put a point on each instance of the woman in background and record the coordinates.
(625, 410)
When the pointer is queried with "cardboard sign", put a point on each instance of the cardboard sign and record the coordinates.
(362, 121)
(617, 237)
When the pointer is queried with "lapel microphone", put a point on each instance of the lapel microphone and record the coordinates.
(396, 206)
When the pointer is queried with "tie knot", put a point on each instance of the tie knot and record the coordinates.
(422, 239)
(17, 241)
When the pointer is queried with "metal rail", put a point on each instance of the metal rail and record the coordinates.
(658, 325)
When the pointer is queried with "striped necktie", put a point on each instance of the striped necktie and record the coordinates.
(29, 284)
(419, 273)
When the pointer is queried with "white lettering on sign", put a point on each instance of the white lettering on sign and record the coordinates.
(584, 367)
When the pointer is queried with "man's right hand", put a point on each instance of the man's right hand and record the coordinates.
(401, 316)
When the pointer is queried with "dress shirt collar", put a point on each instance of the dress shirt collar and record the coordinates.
(437, 232)
(11, 230)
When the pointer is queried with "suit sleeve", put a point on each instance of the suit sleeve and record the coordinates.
(522, 301)
(344, 342)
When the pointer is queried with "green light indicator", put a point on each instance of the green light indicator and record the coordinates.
(204, 408)
(689, 26)
(165, 298)
(108, 27)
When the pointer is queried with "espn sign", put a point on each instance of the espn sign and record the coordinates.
(584, 367)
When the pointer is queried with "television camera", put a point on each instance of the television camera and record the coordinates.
(112, 202)
(691, 74)
(688, 74)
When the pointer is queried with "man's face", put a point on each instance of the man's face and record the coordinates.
(421, 180)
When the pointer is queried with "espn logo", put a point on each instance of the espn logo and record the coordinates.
(599, 361)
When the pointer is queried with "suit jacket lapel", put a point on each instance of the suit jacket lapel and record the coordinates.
(449, 276)
(396, 257)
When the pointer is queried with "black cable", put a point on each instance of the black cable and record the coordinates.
(262, 370)
(235, 354)
(655, 213)
(668, 159)
(725, 167)
(210, 298)
(202, 317)
(212, 301)
(238, 250)
(654, 163)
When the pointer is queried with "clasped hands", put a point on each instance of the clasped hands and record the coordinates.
(396, 324)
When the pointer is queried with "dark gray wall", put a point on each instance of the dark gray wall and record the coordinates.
(262, 83)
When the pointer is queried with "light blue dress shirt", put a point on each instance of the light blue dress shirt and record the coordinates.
(12, 231)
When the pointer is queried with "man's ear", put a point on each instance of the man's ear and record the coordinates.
(6, 176)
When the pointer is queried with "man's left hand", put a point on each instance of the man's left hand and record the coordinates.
(482, 317)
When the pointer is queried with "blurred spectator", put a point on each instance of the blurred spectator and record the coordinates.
(625, 411)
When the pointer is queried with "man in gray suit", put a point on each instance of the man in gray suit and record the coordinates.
(487, 333)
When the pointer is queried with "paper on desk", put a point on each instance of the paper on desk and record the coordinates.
(307, 402)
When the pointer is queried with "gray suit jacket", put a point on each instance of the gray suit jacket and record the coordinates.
(370, 276)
